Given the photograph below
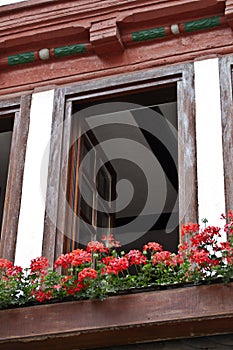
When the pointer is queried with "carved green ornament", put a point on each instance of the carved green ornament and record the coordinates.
(202, 24)
(21, 58)
(149, 34)
(69, 50)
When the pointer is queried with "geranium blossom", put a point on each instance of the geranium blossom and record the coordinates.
(14, 270)
(116, 265)
(87, 273)
(153, 246)
(135, 257)
(75, 258)
(39, 264)
(162, 257)
(95, 246)
(98, 270)
(5, 264)
(189, 228)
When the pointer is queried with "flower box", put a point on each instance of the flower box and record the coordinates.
(121, 319)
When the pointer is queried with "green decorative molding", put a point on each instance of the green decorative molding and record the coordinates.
(69, 50)
(201, 24)
(21, 58)
(149, 34)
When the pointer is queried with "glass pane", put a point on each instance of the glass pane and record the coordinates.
(89, 163)
(6, 127)
(86, 204)
(104, 183)
(134, 146)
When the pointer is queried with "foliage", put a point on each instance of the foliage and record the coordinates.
(103, 269)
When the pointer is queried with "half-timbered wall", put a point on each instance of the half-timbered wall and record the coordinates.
(55, 52)
(210, 174)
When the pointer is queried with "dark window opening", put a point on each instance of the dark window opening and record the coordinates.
(6, 128)
(124, 179)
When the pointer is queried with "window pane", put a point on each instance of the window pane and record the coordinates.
(6, 127)
(86, 203)
(134, 147)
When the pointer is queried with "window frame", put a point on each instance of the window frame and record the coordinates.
(226, 93)
(19, 108)
(183, 76)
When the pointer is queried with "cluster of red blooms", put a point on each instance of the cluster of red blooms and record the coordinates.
(5, 264)
(96, 247)
(75, 258)
(200, 253)
(114, 265)
(153, 246)
(39, 264)
(190, 228)
(167, 258)
(135, 257)
(68, 286)
(87, 272)
(14, 270)
(202, 247)
(41, 296)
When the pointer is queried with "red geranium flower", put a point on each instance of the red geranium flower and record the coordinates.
(39, 264)
(163, 257)
(154, 246)
(116, 265)
(200, 257)
(135, 257)
(14, 270)
(80, 257)
(87, 273)
(95, 246)
(5, 264)
(189, 228)
(76, 257)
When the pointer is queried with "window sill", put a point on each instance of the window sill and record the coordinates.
(122, 319)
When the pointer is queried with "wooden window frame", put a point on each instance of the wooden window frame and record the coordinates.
(226, 92)
(19, 108)
(183, 76)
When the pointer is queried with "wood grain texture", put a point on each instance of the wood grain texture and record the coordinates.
(15, 178)
(52, 195)
(167, 314)
(221, 342)
(187, 148)
(226, 66)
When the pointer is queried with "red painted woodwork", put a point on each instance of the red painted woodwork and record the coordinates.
(229, 12)
(106, 30)
(122, 319)
(105, 37)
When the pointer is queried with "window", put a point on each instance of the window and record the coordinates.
(130, 141)
(6, 128)
(113, 130)
(14, 123)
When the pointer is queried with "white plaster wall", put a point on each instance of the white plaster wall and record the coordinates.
(32, 210)
(8, 2)
(211, 198)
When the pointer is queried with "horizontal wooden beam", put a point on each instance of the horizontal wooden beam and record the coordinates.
(122, 319)
(44, 43)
